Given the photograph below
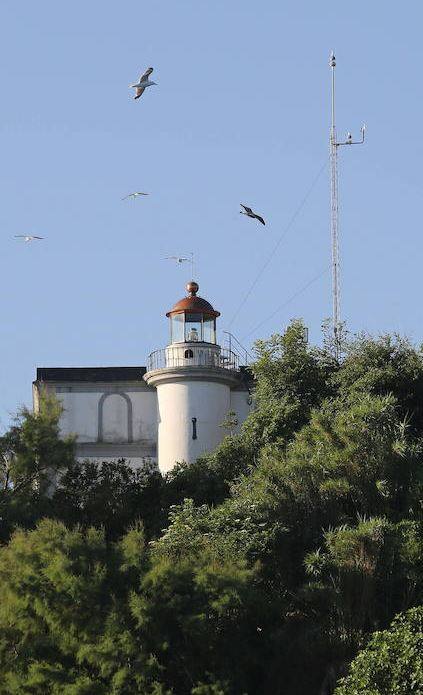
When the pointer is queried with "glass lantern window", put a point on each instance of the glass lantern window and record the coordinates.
(209, 329)
(193, 328)
(177, 328)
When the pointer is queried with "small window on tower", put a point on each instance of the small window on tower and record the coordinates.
(188, 354)
(194, 427)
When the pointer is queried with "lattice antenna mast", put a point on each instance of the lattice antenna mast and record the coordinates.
(334, 144)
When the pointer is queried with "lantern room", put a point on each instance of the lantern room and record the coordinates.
(192, 319)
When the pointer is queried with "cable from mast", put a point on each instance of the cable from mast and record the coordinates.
(334, 204)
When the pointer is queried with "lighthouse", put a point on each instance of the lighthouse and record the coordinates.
(190, 395)
(198, 383)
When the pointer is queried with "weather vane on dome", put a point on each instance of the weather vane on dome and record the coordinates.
(189, 258)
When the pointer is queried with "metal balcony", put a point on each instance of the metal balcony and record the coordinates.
(192, 355)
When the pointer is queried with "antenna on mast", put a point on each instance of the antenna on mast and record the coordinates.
(334, 144)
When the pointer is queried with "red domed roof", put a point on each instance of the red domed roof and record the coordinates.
(193, 304)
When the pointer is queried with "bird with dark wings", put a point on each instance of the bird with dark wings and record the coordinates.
(248, 211)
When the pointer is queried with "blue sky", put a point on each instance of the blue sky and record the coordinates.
(240, 113)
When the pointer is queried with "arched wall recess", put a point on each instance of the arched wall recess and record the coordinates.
(128, 414)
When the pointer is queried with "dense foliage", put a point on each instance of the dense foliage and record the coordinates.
(265, 567)
(392, 663)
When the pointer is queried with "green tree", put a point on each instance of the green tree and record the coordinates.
(39, 476)
(392, 662)
(32, 452)
(32, 455)
(292, 378)
(209, 479)
(201, 617)
(109, 494)
(65, 620)
(81, 615)
(354, 463)
(289, 545)
(363, 576)
(383, 366)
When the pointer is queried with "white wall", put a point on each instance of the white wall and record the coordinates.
(178, 403)
(81, 413)
(162, 415)
(144, 409)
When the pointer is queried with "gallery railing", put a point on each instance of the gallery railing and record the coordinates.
(192, 356)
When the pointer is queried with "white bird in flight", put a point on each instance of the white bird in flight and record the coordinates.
(28, 237)
(142, 83)
(134, 195)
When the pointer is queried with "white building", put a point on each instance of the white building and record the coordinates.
(172, 410)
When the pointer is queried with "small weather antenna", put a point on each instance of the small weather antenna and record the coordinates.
(190, 260)
(334, 144)
(184, 259)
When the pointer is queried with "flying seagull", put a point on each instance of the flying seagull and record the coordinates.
(250, 213)
(142, 83)
(178, 259)
(134, 195)
(28, 237)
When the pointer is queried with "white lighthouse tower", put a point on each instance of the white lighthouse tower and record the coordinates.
(198, 383)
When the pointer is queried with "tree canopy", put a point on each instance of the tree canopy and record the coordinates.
(392, 662)
(264, 567)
